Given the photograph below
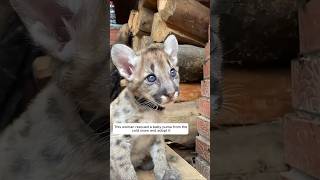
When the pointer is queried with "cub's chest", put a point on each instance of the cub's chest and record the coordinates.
(142, 142)
(122, 114)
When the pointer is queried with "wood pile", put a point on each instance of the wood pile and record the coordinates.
(188, 20)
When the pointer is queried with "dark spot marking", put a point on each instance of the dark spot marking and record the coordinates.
(123, 146)
(127, 120)
(136, 120)
(53, 109)
(51, 154)
(120, 158)
(25, 131)
(122, 164)
(127, 136)
(157, 141)
(116, 114)
(126, 168)
(12, 139)
(118, 142)
(20, 165)
(126, 110)
(126, 95)
(152, 67)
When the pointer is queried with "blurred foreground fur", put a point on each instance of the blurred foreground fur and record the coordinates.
(51, 140)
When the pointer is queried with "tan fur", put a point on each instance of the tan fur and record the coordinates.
(50, 139)
(128, 152)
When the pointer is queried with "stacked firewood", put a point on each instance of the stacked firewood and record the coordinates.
(188, 20)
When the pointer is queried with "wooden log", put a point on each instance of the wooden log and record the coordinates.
(301, 132)
(266, 94)
(189, 16)
(189, 92)
(190, 61)
(247, 146)
(186, 170)
(132, 15)
(146, 41)
(141, 42)
(183, 112)
(142, 21)
(160, 31)
(136, 43)
(123, 34)
(150, 4)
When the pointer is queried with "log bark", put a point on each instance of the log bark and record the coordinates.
(142, 21)
(190, 62)
(150, 4)
(188, 15)
(160, 31)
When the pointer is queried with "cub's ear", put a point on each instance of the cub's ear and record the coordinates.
(124, 58)
(58, 25)
(47, 23)
(171, 48)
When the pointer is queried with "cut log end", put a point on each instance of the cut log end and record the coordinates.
(187, 16)
(166, 8)
(160, 31)
(142, 21)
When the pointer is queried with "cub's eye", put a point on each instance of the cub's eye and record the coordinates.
(151, 78)
(173, 72)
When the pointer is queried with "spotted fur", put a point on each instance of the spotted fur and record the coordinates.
(128, 152)
(50, 140)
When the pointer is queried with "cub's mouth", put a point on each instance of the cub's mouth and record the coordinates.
(165, 99)
(157, 102)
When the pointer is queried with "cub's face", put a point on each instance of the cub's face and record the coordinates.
(156, 77)
(153, 74)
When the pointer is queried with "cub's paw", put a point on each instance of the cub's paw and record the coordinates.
(171, 174)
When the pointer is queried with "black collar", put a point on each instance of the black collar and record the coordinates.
(148, 104)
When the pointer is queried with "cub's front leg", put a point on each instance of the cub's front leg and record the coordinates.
(162, 170)
(121, 166)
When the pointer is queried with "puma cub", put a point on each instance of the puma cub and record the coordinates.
(153, 80)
